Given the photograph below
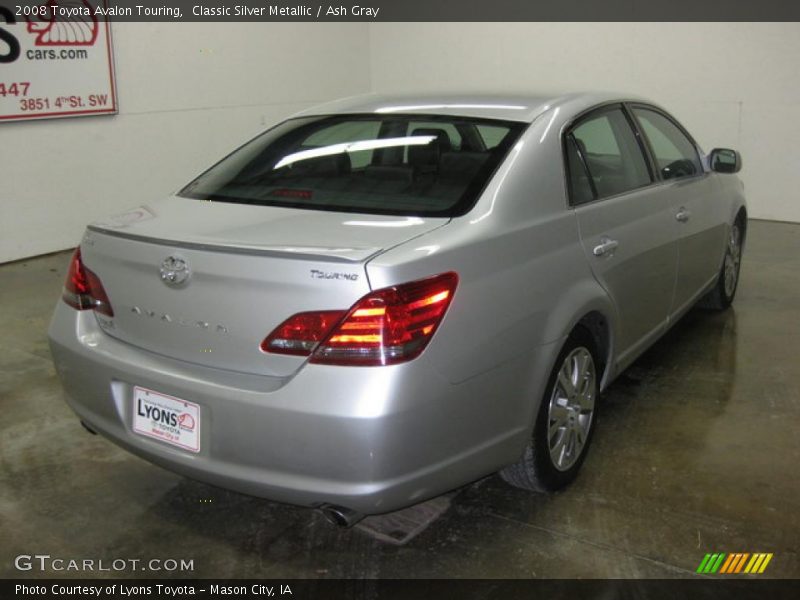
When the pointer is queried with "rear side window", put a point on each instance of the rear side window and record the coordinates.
(491, 135)
(612, 155)
(674, 153)
(580, 187)
(391, 164)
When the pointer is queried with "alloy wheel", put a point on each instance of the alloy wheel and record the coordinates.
(571, 408)
(733, 256)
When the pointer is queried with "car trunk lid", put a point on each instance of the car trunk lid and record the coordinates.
(249, 268)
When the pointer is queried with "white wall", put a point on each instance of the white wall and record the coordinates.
(191, 91)
(731, 84)
(188, 93)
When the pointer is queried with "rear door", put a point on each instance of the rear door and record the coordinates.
(625, 224)
(700, 216)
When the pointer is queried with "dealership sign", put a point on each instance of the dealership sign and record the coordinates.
(55, 60)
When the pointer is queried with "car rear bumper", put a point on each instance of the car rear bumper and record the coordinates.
(371, 439)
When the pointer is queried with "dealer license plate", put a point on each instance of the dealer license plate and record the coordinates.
(166, 418)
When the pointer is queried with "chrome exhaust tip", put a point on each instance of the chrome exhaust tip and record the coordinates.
(340, 516)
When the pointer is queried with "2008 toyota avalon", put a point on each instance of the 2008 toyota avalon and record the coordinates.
(382, 299)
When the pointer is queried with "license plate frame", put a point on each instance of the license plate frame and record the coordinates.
(166, 418)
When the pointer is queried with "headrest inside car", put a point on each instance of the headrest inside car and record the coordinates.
(321, 166)
(426, 156)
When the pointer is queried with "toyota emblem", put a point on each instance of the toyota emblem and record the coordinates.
(174, 271)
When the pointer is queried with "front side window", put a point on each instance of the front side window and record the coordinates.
(387, 164)
(674, 153)
(610, 152)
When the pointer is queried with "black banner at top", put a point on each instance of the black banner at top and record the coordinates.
(406, 10)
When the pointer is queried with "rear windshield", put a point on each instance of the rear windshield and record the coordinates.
(380, 164)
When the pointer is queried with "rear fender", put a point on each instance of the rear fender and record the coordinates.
(582, 299)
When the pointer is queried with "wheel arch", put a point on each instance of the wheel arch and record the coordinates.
(588, 305)
(741, 216)
(596, 323)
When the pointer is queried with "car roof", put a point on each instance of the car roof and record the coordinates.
(509, 107)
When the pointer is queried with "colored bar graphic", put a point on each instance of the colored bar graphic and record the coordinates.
(710, 567)
(728, 564)
(754, 563)
(711, 562)
(734, 563)
(739, 566)
(716, 565)
(765, 563)
(703, 563)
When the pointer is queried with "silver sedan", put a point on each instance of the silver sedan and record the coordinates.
(382, 299)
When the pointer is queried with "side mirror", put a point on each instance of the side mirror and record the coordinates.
(725, 160)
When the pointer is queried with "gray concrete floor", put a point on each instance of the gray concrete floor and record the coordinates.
(697, 451)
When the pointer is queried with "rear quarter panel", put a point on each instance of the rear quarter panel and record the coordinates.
(523, 280)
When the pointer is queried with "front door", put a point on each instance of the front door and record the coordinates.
(626, 224)
(698, 210)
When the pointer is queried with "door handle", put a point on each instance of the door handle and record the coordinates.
(683, 215)
(606, 246)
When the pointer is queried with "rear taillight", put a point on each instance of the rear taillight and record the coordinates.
(385, 327)
(301, 333)
(83, 290)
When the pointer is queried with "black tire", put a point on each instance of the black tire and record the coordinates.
(721, 296)
(537, 470)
